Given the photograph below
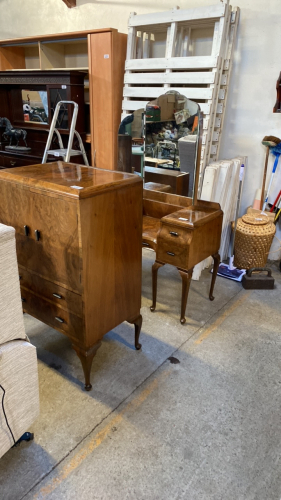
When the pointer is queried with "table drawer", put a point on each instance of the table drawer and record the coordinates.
(53, 315)
(176, 255)
(64, 298)
(176, 235)
(173, 245)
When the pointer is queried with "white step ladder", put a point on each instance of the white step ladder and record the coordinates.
(68, 152)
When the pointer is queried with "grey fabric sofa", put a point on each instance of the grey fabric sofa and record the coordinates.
(19, 390)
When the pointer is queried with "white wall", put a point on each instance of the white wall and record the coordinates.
(257, 64)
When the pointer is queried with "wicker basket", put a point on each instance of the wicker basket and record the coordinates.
(253, 238)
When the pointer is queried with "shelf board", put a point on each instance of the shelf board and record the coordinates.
(23, 69)
(81, 68)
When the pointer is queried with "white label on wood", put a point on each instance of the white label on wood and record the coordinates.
(106, 56)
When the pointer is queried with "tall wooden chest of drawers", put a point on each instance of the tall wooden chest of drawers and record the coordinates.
(79, 240)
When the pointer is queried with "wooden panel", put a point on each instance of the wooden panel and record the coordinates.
(51, 56)
(157, 209)
(179, 181)
(206, 241)
(111, 246)
(195, 62)
(56, 255)
(119, 47)
(178, 15)
(152, 92)
(55, 36)
(173, 199)
(12, 58)
(101, 97)
(62, 297)
(175, 77)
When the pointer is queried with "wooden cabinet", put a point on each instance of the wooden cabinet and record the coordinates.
(78, 237)
(100, 56)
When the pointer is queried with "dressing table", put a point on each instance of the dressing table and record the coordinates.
(182, 231)
(78, 240)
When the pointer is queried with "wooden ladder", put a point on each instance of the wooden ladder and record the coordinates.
(203, 78)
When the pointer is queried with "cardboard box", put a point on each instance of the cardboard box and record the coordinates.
(167, 107)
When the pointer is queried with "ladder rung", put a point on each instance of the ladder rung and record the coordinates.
(62, 152)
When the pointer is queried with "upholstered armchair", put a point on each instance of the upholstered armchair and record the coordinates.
(19, 392)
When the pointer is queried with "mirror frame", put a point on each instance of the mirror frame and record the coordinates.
(196, 185)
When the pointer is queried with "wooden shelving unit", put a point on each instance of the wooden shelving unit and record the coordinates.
(100, 54)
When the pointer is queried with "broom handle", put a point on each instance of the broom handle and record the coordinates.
(237, 208)
(264, 176)
(271, 179)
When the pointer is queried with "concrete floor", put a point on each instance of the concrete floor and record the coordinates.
(204, 427)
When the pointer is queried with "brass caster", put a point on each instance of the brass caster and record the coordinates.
(88, 387)
(138, 346)
(152, 308)
(211, 297)
(183, 320)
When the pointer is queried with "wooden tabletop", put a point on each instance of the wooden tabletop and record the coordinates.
(69, 179)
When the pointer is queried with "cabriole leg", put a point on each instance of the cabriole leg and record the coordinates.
(155, 268)
(217, 259)
(186, 278)
(86, 357)
(137, 322)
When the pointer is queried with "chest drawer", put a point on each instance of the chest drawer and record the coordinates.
(173, 245)
(52, 315)
(13, 161)
(46, 233)
(62, 297)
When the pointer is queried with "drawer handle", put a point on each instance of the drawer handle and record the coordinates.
(23, 300)
(60, 320)
(173, 233)
(145, 244)
(57, 296)
(12, 163)
(171, 253)
(26, 230)
(37, 235)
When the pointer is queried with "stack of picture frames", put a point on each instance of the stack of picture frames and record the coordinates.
(189, 51)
